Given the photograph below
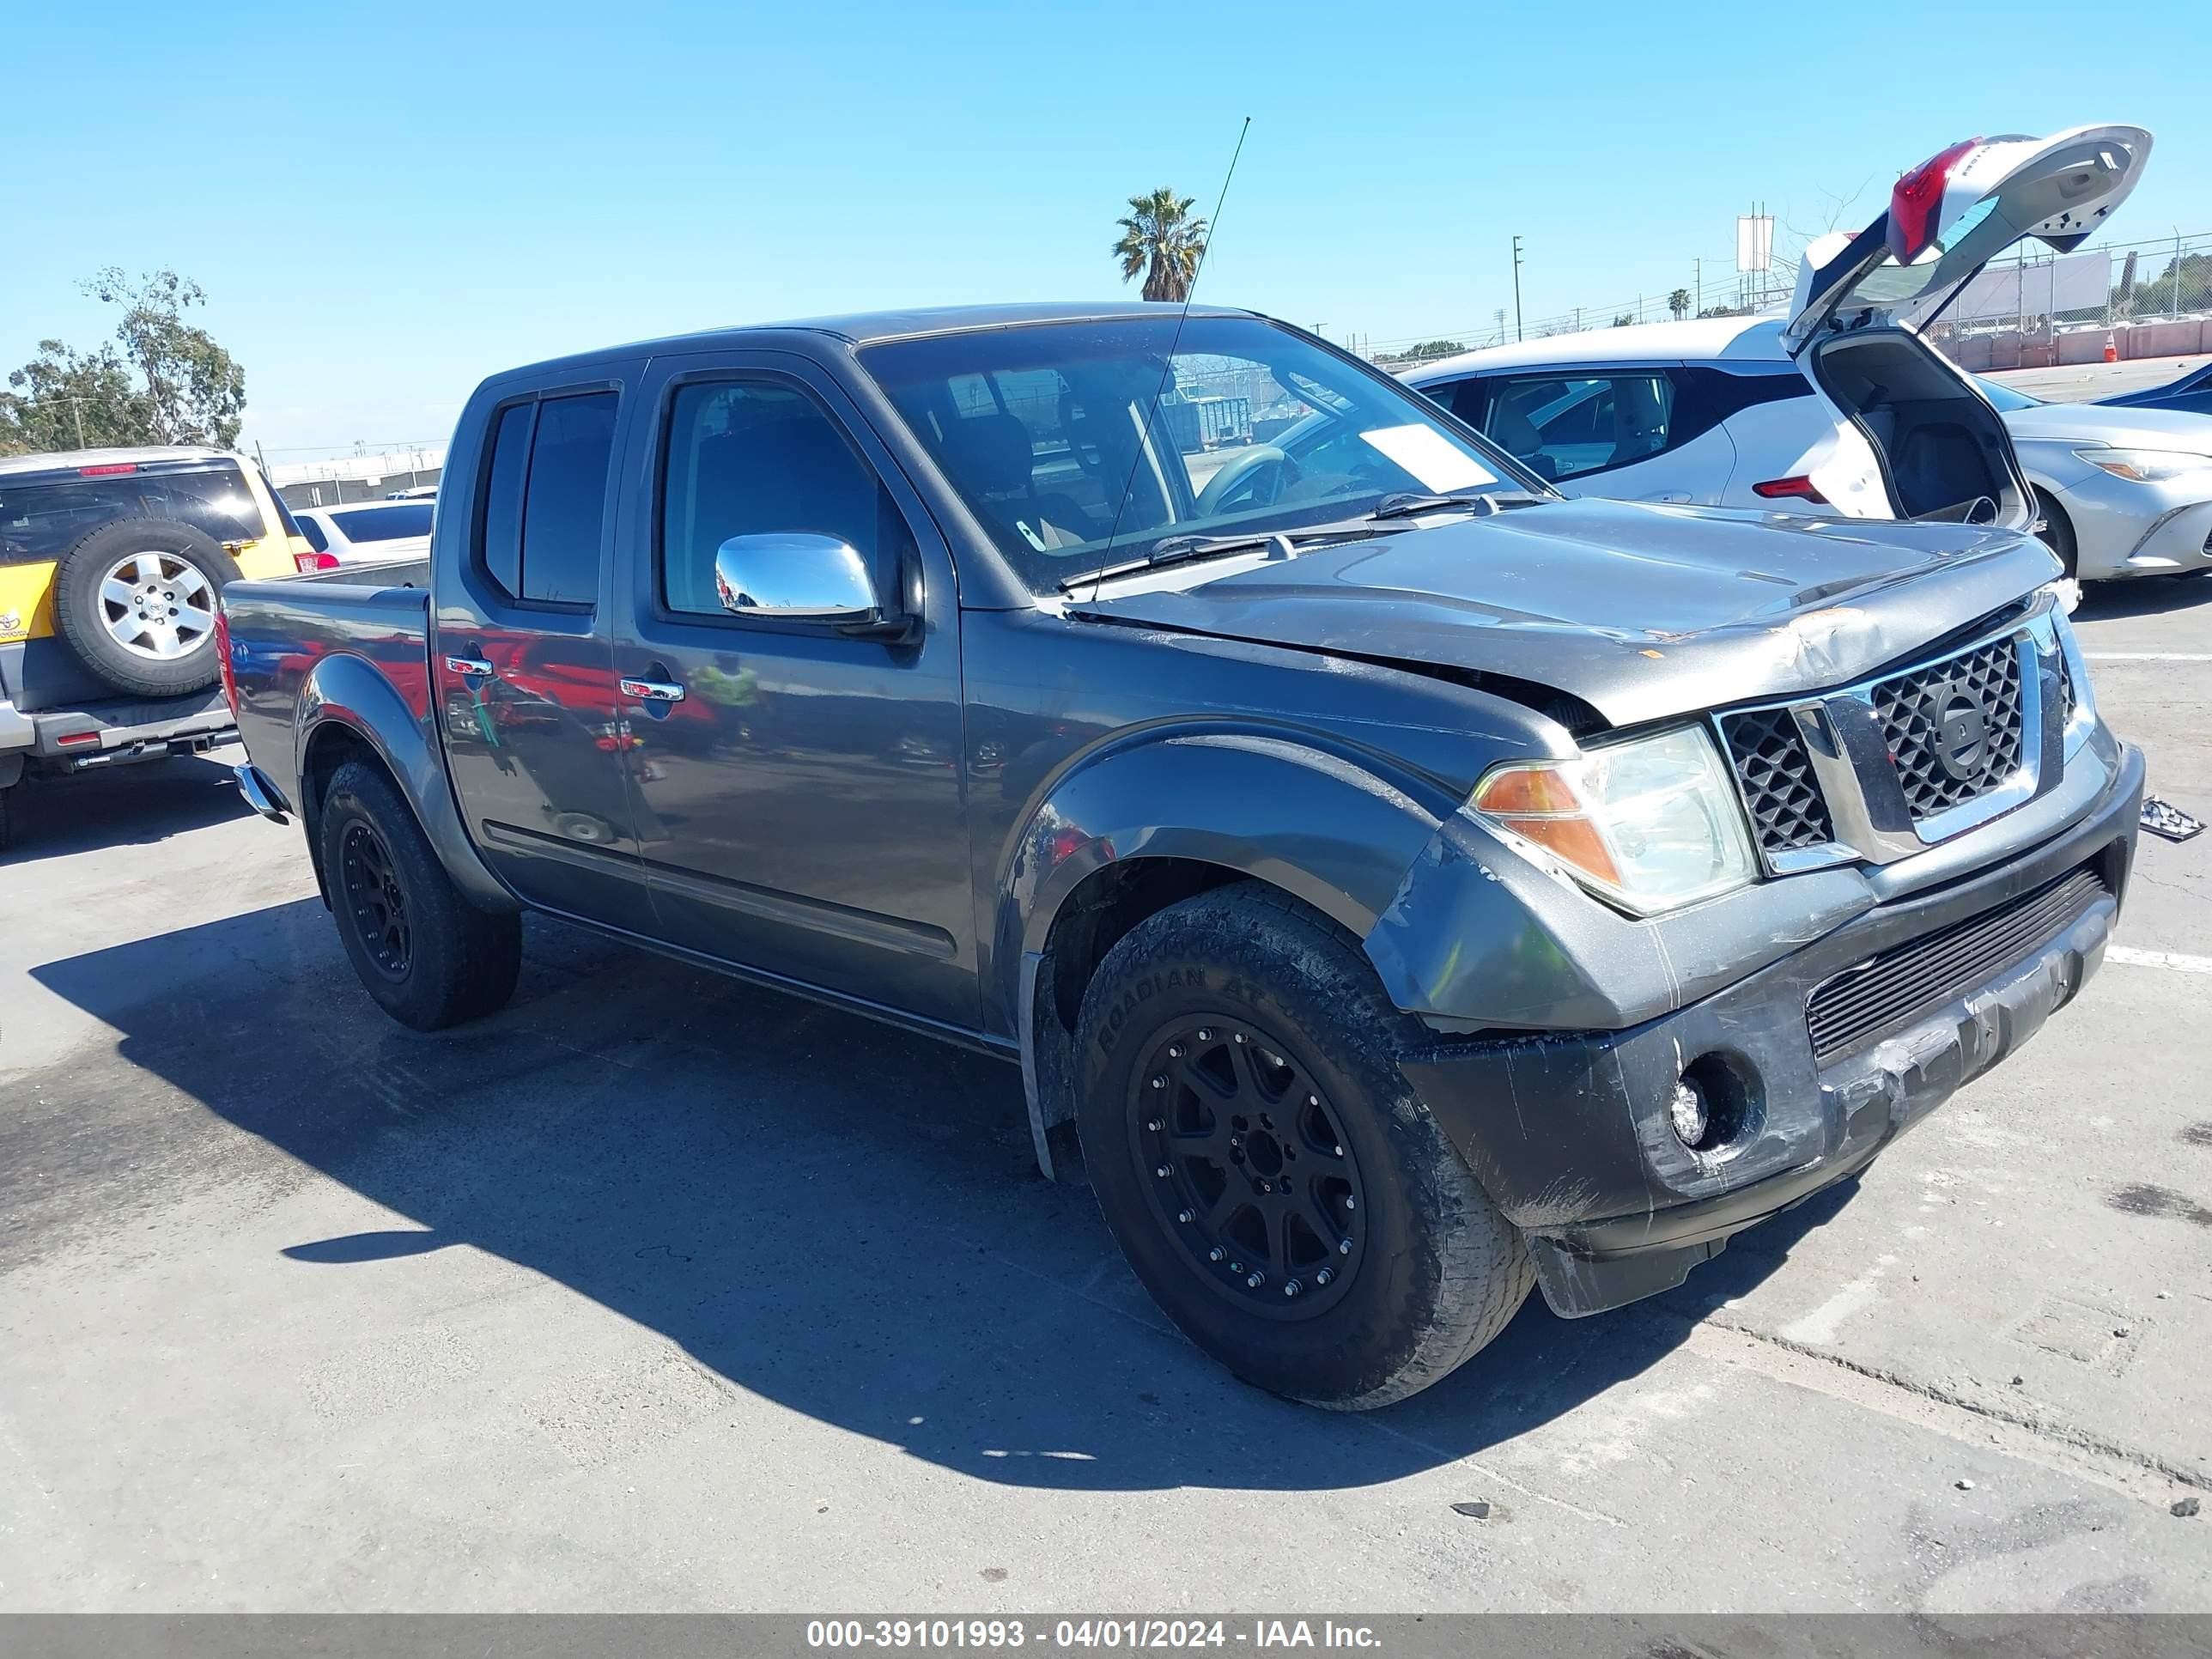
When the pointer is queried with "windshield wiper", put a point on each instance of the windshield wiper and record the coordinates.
(1409, 505)
(1182, 550)
(1177, 549)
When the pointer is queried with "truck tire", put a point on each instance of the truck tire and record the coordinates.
(428, 956)
(1266, 1168)
(137, 600)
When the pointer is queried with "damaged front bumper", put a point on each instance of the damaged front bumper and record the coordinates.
(1812, 1063)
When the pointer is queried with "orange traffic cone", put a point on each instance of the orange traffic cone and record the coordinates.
(2111, 351)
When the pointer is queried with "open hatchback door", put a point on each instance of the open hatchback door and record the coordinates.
(1862, 301)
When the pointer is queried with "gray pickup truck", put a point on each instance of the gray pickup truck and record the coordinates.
(1396, 883)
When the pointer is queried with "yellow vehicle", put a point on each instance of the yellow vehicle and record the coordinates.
(111, 562)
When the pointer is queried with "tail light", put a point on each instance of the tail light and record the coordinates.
(1916, 201)
(222, 658)
(1794, 488)
(304, 563)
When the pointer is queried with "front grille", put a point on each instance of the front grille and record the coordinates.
(1783, 797)
(1883, 993)
(1911, 706)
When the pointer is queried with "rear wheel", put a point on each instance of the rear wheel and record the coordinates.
(1266, 1168)
(429, 957)
(2057, 531)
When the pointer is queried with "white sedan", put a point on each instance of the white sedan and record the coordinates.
(2122, 491)
(373, 532)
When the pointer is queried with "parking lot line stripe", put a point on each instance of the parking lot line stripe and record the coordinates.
(2172, 959)
(2149, 656)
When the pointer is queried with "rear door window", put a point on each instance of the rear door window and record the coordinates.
(543, 519)
(313, 531)
(1566, 425)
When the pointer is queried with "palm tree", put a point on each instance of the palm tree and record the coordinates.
(1160, 238)
(1679, 303)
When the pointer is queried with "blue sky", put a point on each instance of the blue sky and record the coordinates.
(386, 203)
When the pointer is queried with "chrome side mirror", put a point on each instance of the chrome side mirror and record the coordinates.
(795, 575)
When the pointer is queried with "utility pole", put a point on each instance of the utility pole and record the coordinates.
(2177, 272)
(1516, 288)
(76, 404)
(1698, 292)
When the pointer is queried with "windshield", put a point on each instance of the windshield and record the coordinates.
(1044, 431)
(383, 524)
(2003, 396)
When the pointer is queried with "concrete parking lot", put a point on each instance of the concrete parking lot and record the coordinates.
(656, 1291)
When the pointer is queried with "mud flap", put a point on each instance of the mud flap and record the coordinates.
(1576, 1286)
(1048, 1076)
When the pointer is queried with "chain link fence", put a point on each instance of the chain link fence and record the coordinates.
(2142, 299)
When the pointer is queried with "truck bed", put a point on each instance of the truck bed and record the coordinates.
(283, 631)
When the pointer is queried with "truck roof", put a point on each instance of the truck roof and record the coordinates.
(863, 328)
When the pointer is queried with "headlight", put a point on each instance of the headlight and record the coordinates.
(2145, 465)
(1652, 824)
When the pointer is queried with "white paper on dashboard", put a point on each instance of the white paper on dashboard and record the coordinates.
(1429, 456)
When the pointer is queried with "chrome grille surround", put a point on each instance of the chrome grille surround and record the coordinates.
(1851, 751)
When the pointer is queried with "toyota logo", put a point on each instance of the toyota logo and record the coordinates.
(1962, 730)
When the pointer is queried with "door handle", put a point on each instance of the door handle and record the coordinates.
(653, 690)
(475, 667)
(1672, 498)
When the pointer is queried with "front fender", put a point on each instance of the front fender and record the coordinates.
(1317, 824)
(350, 692)
(1481, 937)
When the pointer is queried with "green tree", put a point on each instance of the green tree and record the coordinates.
(1622, 320)
(1160, 239)
(195, 391)
(66, 399)
(1429, 348)
(1679, 303)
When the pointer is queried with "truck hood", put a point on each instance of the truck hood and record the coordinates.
(1640, 610)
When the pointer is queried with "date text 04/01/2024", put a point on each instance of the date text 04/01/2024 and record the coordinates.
(1085, 1633)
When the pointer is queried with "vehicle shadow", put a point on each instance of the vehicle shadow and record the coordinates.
(2150, 596)
(831, 1214)
(53, 818)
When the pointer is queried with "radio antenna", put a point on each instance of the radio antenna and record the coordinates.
(1167, 367)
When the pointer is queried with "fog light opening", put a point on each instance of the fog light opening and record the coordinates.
(1713, 1109)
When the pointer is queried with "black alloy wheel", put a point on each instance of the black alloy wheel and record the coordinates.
(1253, 1178)
(375, 900)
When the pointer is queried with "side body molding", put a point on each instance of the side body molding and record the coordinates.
(349, 691)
